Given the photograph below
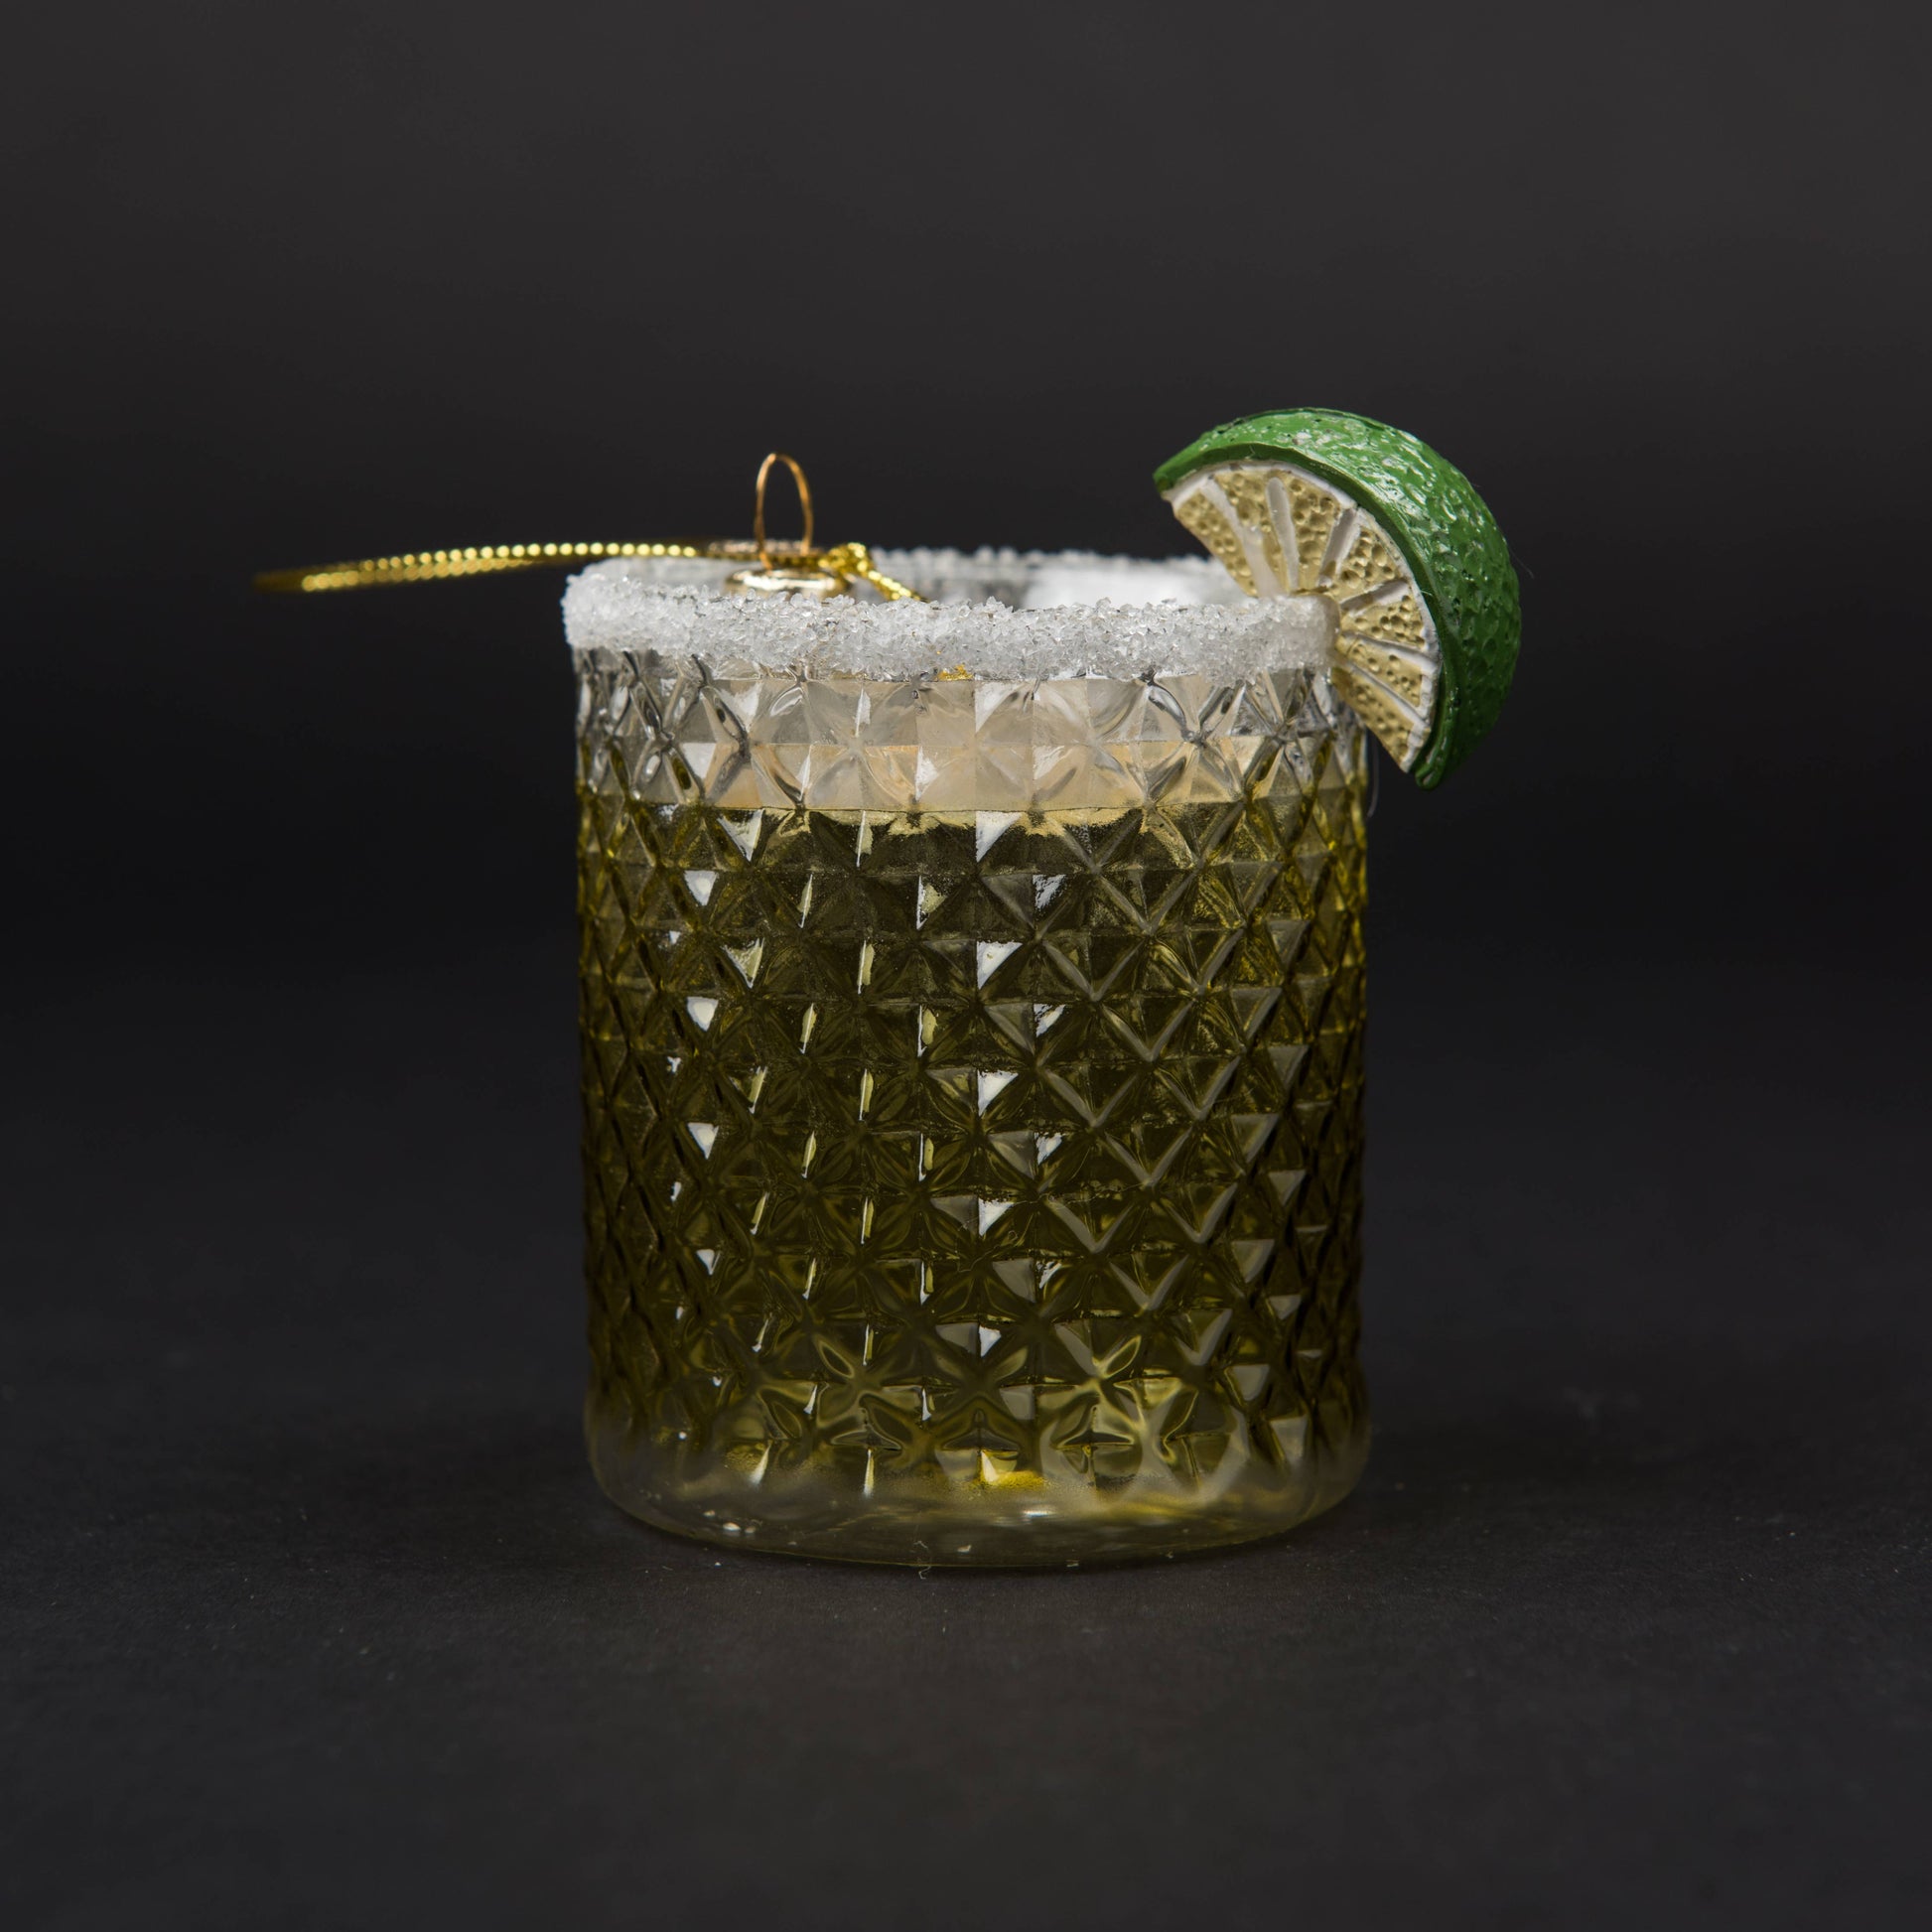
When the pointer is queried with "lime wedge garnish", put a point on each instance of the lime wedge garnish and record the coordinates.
(1303, 502)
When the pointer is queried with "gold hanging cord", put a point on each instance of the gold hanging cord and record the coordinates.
(773, 567)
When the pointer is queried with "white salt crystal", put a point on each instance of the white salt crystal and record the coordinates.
(999, 613)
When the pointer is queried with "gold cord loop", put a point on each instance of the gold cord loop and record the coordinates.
(782, 566)
(803, 547)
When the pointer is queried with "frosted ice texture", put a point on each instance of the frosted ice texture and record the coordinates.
(1000, 614)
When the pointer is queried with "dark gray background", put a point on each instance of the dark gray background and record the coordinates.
(312, 1615)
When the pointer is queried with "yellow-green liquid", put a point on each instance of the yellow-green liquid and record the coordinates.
(967, 1191)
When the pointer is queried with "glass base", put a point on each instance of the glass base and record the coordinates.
(940, 1517)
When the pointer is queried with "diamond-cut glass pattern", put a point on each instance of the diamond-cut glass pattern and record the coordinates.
(972, 1085)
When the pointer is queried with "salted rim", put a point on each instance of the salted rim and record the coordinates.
(1176, 616)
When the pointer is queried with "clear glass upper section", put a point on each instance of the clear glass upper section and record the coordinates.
(667, 733)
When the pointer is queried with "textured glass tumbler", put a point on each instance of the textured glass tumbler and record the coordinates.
(973, 1087)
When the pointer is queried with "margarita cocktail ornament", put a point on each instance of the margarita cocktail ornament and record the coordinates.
(972, 1004)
